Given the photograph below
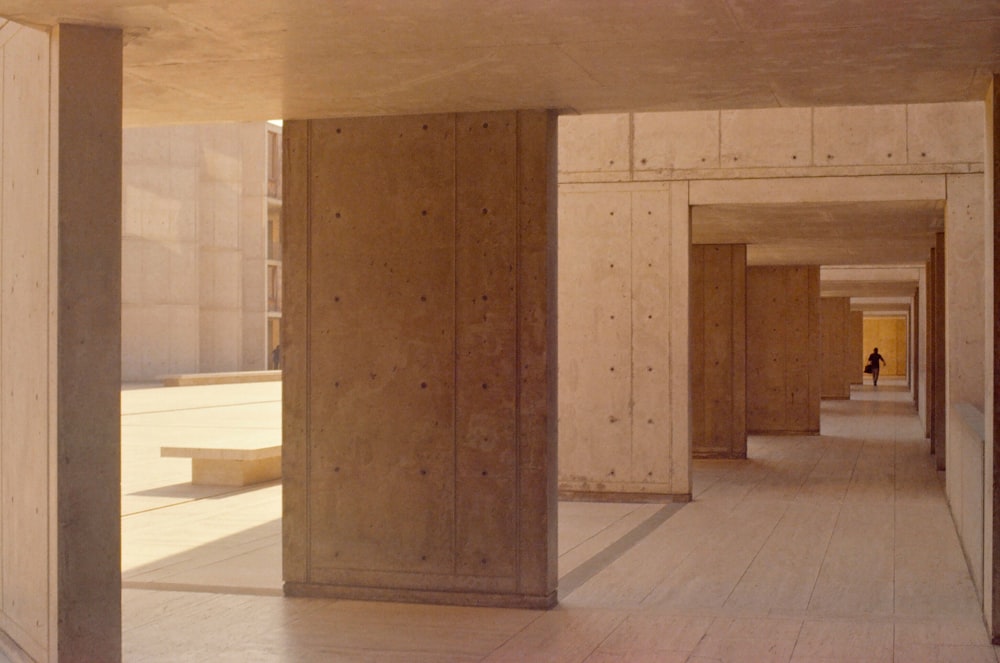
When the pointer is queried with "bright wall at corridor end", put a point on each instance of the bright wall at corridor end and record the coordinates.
(889, 335)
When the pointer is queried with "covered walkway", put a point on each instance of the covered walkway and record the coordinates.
(831, 548)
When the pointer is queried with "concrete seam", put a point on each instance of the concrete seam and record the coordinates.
(308, 349)
(516, 161)
(454, 346)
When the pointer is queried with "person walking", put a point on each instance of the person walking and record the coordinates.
(874, 360)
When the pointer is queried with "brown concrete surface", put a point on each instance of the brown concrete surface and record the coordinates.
(783, 359)
(718, 351)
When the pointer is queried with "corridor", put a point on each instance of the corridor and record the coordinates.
(831, 548)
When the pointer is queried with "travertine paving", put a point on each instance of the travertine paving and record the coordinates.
(831, 548)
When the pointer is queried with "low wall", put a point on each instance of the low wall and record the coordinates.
(966, 435)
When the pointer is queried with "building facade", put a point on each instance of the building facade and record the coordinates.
(201, 249)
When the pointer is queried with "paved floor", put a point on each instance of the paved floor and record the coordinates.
(831, 548)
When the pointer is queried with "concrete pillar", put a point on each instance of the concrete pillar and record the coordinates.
(940, 405)
(992, 329)
(418, 341)
(783, 350)
(718, 350)
(931, 344)
(60, 269)
(837, 359)
(856, 353)
(624, 401)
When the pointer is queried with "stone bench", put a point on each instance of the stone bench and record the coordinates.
(234, 377)
(230, 464)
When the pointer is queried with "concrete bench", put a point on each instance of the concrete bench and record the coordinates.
(230, 464)
(235, 377)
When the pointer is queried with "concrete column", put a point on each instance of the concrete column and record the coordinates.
(931, 343)
(992, 299)
(783, 350)
(60, 268)
(418, 341)
(940, 407)
(837, 359)
(718, 350)
(856, 346)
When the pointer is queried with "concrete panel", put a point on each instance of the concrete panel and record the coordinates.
(26, 328)
(965, 282)
(718, 350)
(652, 391)
(783, 350)
(623, 263)
(594, 337)
(856, 344)
(819, 189)
(945, 133)
(425, 450)
(594, 143)
(88, 344)
(856, 135)
(766, 137)
(839, 363)
(941, 351)
(668, 141)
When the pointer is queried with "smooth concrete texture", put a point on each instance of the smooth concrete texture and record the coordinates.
(965, 285)
(837, 547)
(623, 340)
(890, 334)
(194, 249)
(856, 347)
(191, 63)
(837, 363)
(941, 354)
(419, 366)
(60, 238)
(718, 365)
(965, 478)
(235, 463)
(794, 214)
(991, 511)
(784, 371)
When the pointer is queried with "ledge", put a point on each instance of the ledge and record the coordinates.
(234, 377)
(972, 418)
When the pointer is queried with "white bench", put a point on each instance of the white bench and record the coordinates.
(230, 463)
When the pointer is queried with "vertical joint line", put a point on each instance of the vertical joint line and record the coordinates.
(454, 344)
(518, 376)
(308, 343)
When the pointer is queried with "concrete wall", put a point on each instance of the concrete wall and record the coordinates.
(624, 403)
(718, 350)
(60, 239)
(419, 416)
(856, 345)
(193, 250)
(838, 362)
(783, 350)
(793, 155)
(890, 334)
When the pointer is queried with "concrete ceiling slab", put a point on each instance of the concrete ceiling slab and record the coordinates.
(214, 60)
(855, 233)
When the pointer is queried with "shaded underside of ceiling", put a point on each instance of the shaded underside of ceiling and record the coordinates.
(843, 234)
(215, 60)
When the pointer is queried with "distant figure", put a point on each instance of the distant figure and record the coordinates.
(276, 357)
(874, 360)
